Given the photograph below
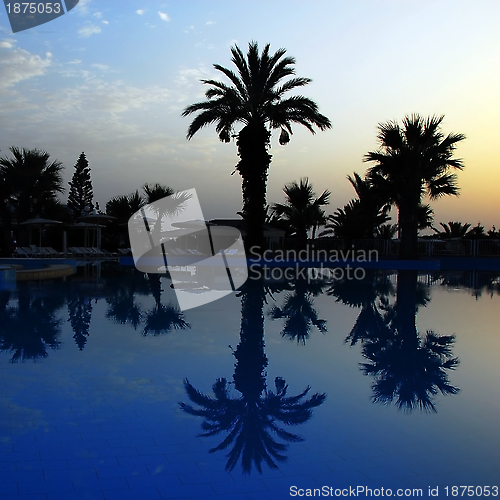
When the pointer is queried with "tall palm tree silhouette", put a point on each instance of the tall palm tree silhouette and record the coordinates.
(299, 312)
(413, 160)
(256, 98)
(302, 210)
(251, 419)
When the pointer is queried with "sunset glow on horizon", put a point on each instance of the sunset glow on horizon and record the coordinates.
(112, 78)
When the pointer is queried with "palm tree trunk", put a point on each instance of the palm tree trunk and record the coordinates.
(408, 227)
(301, 239)
(254, 162)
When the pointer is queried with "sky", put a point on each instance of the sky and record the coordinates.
(112, 77)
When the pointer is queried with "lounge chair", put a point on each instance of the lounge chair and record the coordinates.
(77, 251)
(43, 252)
(28, 251)
(52, 252)
(38, 251)
(20, 252)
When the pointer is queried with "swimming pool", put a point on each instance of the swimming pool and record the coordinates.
(316, 387)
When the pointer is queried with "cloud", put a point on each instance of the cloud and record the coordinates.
(83, 6)
(188, 77)
(105, 22)
(164, 16)
(89, 30)
(17, 65)
(97, 96)
(6, 44)
(140, 11)
(102, 67)
(208, 23)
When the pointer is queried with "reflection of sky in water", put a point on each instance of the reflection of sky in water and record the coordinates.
(114, 404)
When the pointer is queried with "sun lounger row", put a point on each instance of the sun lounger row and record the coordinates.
(48, 252)
(90, 252)
(34, 251)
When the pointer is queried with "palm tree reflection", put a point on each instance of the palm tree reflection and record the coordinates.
(299, 312)
(409, 369)
(31, 327)
(125, 308)
(162, 318)
(372, 295)
(251, 419)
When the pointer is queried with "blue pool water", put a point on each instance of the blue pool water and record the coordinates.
(105, 389)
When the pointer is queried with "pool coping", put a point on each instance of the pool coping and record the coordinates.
(49, 268)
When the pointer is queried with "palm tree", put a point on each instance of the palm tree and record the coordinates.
(413, 160)
(425, 216)
(155, 192)
(361, 217)
(255, 98)
(301, 210)
(386, 231)
(125, 206)
(476, 232)
(30, 182)
(452, 230)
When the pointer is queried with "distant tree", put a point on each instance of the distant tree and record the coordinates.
(354, 221)
(302, 210)
(413, 160)
(347, 222)
(452, 230)
(81, 193)
(476, 232)
(493, 233)
(386, 231)
(155, 192)
(361, 216)
(124, 206)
